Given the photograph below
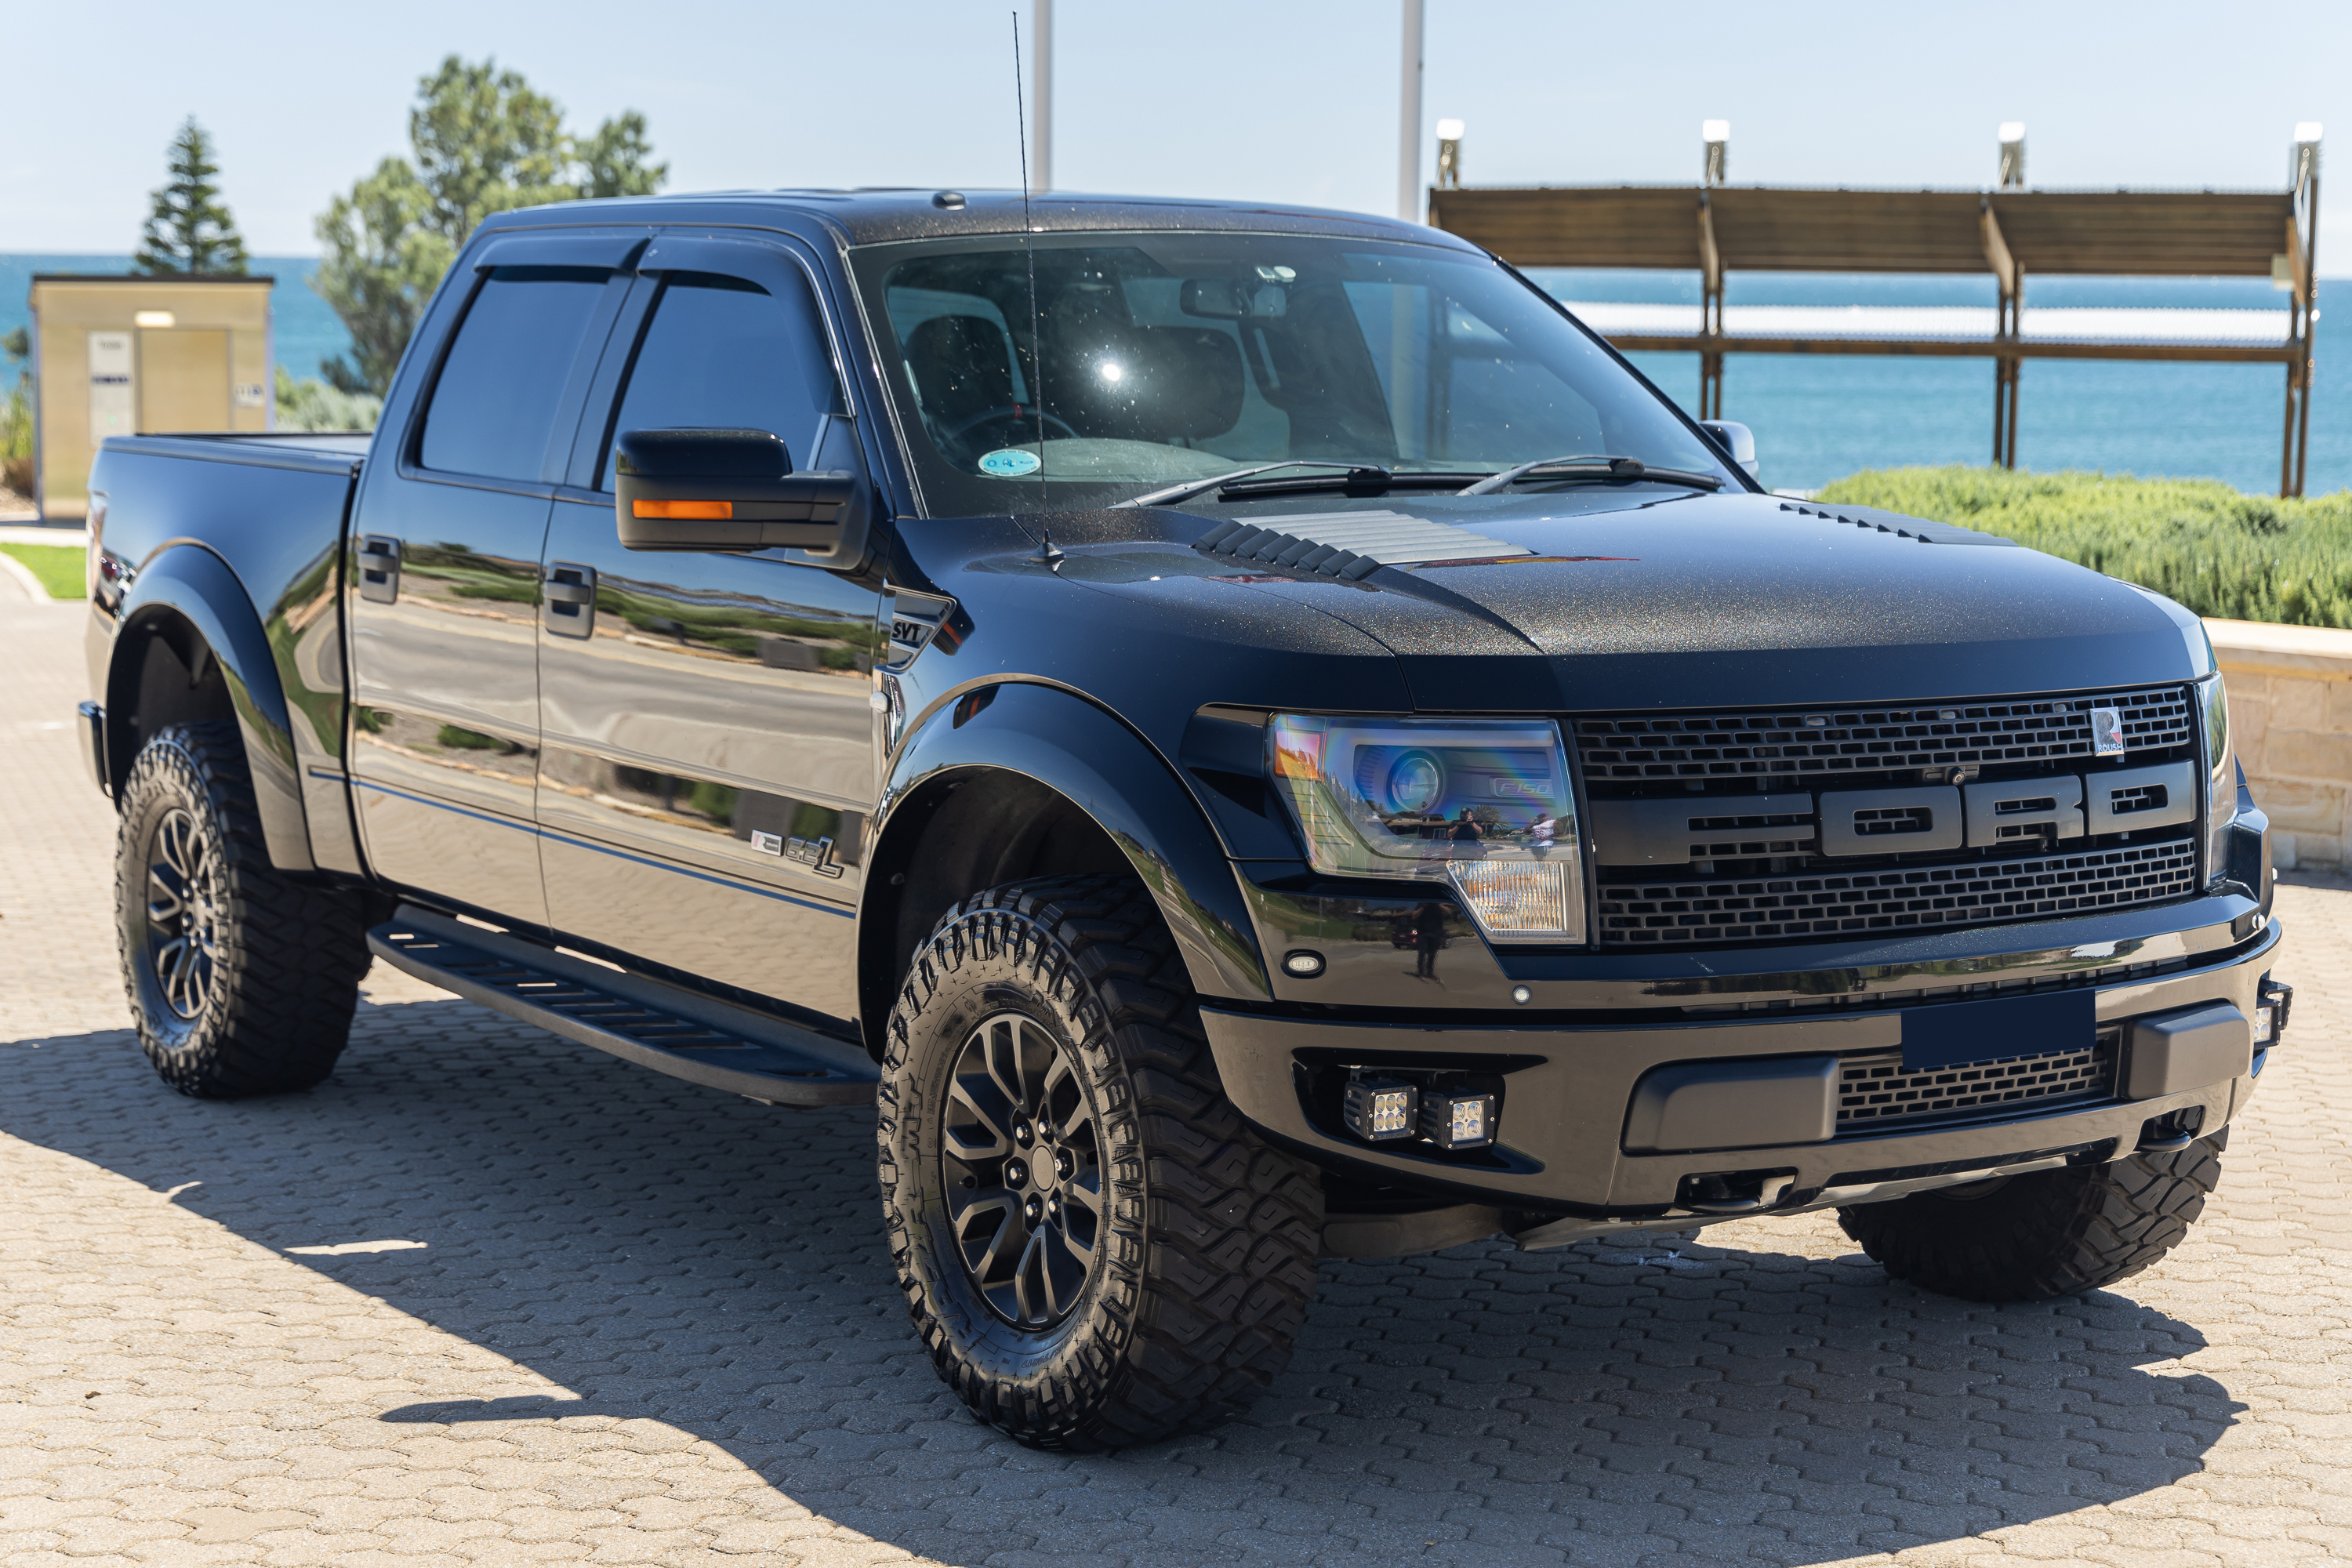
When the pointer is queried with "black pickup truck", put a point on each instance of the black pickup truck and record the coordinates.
(1250, 734)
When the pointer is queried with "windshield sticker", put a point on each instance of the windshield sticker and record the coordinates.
(1009, 463)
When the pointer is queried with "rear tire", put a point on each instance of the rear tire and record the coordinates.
(241, 981)
(1046, 1059)
(2054, 1233)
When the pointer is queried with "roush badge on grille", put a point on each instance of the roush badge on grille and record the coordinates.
(2106, 733)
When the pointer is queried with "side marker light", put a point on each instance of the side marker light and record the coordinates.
(1303, 963)
(700, 510)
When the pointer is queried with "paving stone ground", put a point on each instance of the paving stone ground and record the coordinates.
(486, 1296)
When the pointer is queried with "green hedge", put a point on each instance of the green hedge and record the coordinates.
(2218, 550)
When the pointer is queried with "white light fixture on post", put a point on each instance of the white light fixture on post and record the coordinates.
(2013, 155)
(1409, 119)
(1716, 135)
(1449, 154)
(2305, 164)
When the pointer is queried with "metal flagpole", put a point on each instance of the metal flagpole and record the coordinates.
(1040, 91)
(1409, 193)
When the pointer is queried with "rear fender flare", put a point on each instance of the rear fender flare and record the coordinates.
(1082, 753)
(189, 583)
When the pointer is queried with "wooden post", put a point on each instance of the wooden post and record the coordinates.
(2005, 367)
(1710, 314)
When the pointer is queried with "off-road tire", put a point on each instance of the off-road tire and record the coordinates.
(284, 957)
(1206, 1252)
(2053, 1232)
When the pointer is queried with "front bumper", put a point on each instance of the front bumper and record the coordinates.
(1561, 1149)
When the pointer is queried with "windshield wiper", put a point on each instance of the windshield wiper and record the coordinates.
(1358, 481)
(1603, 471)
(1192, 488)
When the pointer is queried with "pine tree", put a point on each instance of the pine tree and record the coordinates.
(189, 229)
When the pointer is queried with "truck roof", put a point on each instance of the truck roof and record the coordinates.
(873, 215)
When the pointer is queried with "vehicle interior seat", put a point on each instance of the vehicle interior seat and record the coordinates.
(962, 367)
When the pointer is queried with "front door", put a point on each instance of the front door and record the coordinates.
(444, 676)
(707, 770)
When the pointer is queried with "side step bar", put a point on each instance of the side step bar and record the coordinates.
(650, 1022)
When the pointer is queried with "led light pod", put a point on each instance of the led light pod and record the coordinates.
(1458, 1121)
(1379, 1110)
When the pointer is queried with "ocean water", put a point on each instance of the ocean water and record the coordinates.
(1819, 417)
(1816, 418)
(307, 332)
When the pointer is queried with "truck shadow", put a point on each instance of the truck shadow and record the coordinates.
(663, 1253)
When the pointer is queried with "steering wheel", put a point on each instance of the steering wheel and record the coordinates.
(958, 431)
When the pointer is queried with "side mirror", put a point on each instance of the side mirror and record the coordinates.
(1739, 444)
(724, 490)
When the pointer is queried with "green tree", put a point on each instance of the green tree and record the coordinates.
(189, 229)
(480, 142)
(16, 416)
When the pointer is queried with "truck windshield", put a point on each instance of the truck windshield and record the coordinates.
(1157, 358)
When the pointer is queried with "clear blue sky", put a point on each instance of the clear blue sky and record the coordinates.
(1282, 100)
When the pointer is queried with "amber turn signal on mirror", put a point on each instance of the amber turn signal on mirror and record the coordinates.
(711, 510)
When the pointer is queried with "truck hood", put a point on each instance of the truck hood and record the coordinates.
(1633, 599)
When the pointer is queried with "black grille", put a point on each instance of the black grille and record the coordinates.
(1988, 892)
(1875, 1090)
(1865, 740)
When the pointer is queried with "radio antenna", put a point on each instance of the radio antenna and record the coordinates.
(1029, 253)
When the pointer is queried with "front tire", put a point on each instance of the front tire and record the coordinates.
(1096, 1250)
(241, 980)
(2053, 1232)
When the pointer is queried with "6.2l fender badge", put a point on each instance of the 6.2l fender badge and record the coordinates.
(816, 854)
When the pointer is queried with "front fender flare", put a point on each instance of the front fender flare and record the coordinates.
(1079, 750)
(190, 583)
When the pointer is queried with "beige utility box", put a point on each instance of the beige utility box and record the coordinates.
(116, 355)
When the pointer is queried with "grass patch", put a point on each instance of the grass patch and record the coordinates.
(59, 566)
(2218, 550)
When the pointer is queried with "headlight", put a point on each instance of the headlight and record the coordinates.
(1484, 805)
(2221, 777)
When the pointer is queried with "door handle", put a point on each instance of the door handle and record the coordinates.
(379, 568)
(567, 600)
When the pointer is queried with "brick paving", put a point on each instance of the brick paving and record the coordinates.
(635, 1322)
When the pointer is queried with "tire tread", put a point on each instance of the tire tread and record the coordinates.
(1196, 1323)
(2054, 1233)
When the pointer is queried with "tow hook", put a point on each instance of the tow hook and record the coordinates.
(1733, 1192)
(2172, 1132)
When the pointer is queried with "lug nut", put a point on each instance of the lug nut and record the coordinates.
(1032, 1208)
(1015, 1173)
(1023, 1134)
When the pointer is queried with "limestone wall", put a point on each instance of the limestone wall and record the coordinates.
(2291, 707)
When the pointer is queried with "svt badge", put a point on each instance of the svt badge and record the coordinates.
(2106, 733)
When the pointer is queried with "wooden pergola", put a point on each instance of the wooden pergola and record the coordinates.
(1716, 229)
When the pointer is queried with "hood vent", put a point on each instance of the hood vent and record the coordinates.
(1902, 527)
(1349, 545)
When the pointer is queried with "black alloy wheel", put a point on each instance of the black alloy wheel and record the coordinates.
(1021, 1156)
(241, 980)
(1096, 1247)
(183, 899)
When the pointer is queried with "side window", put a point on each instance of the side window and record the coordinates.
(494, 406)
(721, 353)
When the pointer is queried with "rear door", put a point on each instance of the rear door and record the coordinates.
(444, 675)
(707, 770)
